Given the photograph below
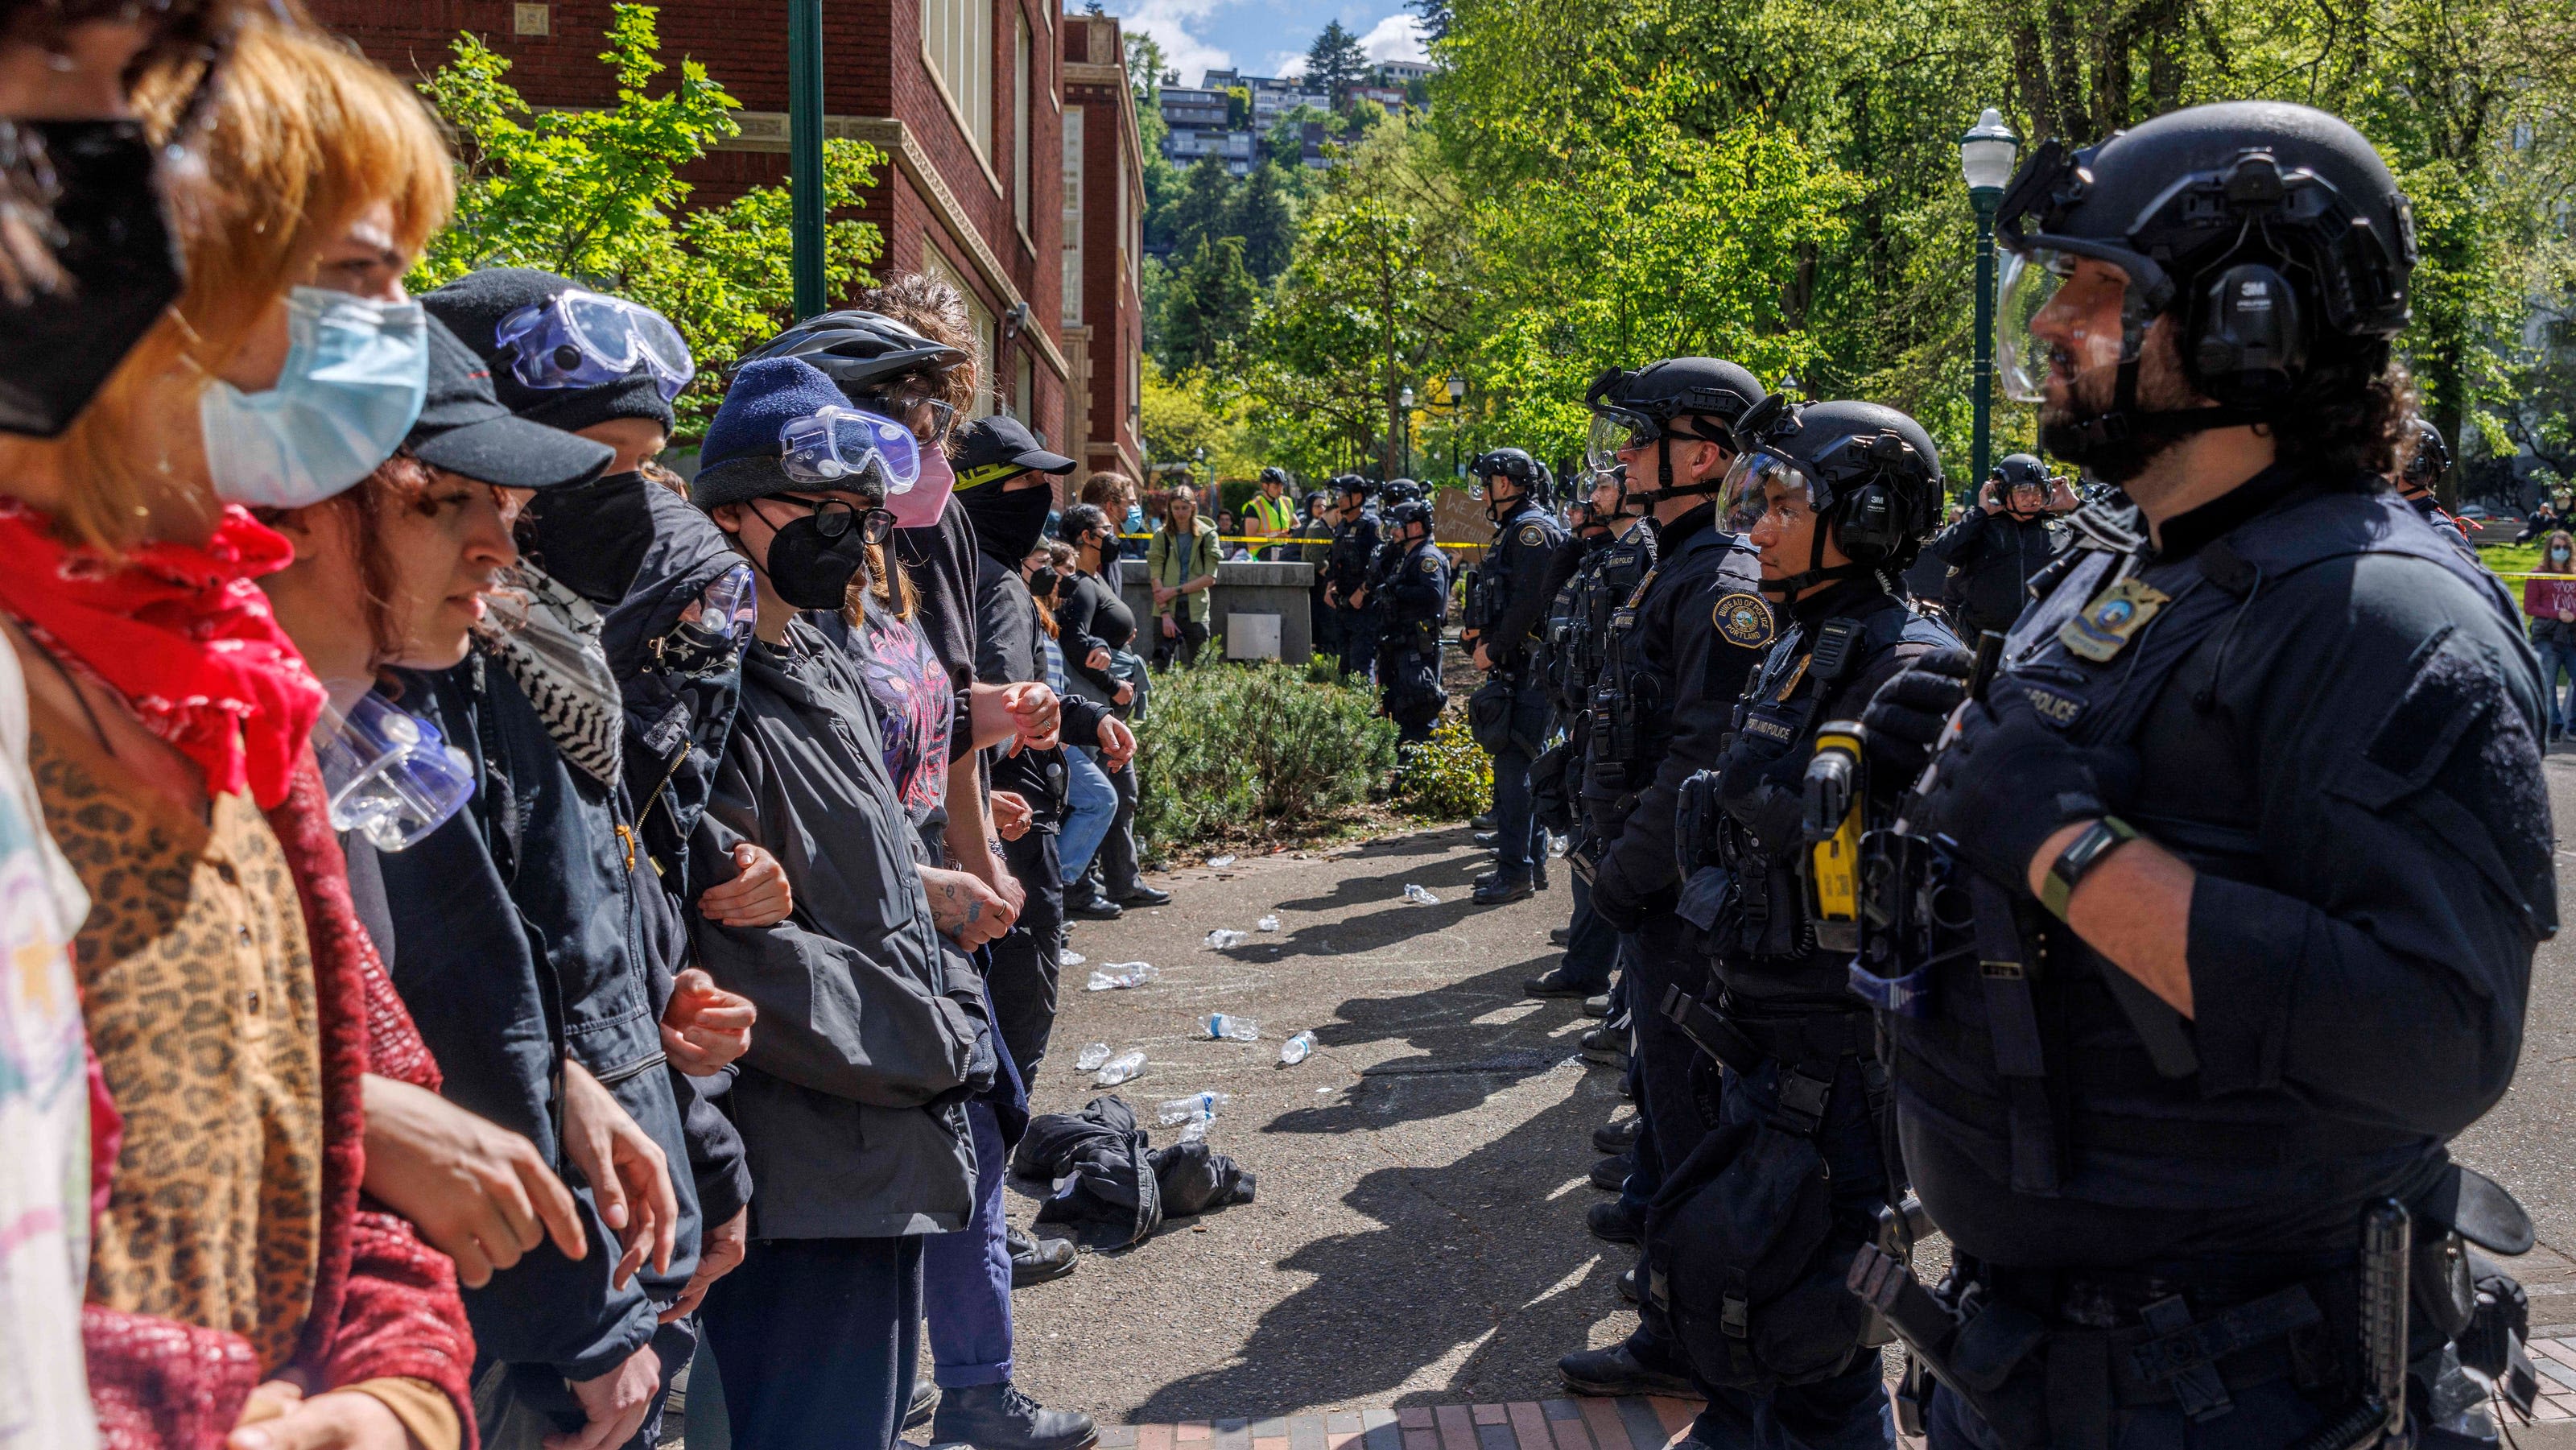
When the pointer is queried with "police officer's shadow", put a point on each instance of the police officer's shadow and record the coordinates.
(1479, 1266)
(1430, 860)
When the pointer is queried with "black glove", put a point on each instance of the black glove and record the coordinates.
(1906, 715)
(1613, 902)
(2010, 781)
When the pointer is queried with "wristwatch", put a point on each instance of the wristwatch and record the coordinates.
(2081, 855)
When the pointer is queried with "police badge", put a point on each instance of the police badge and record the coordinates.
(2102, 629)
(1744, 621)
(1532, 536)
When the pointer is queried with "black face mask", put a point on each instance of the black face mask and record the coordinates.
(1042, 584)
(1009, 524)
(811, 571)
(591, 537)
(120, 271)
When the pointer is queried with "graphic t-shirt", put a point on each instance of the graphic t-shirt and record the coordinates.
(910, 690)
(44, 1113)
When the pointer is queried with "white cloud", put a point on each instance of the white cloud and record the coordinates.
(1172, 24)
(1287, 64)
(1397, 37)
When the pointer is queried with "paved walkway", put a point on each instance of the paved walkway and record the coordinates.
(1628, 1424)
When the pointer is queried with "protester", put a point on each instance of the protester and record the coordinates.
(1097, 629)
(2551, 605)
(1181, 563)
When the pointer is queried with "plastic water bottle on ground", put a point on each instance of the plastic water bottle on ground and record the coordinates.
(1267, 923)
(1194, 1131)
(1091, 1057)
(1222, 1028)
(1072, 959)
(1419, 896)
(1220, 862)
(1197, 1107)
(1220, 939)
(1118, 976)
(1121, 1068)
(1297, 1049)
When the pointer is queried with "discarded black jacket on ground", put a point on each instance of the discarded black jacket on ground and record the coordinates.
(1120, 1182)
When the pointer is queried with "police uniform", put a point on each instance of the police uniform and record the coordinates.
(1991, 558)
(1348, 569)
(1509, 711)
(1383, 568)
(1417, 605)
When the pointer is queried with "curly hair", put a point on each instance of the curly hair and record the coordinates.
(936, 310)
(2352, 414)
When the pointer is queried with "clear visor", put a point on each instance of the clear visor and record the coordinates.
(1612, 432)
(391, 776)
(2060, 314)
(728, 607)
(838, 444)
(582, 339)
(1761, 483)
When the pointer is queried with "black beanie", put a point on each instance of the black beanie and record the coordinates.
(473, 305)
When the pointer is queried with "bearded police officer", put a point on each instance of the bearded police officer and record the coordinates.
(1346, 576)
(2010, 532)
(1417, 605)
(1678, 648)
(1751, 1240)
(1508, 713)
(2236, 870)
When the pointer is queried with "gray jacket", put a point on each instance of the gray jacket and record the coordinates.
(872, 1028)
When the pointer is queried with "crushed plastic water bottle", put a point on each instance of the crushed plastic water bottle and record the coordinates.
(1197, 1107)
(1120, 1068)
(1073, 959)
(1556, 846)
(1118, 976)
(1267, 923)
(1224, 1028)
(1297, 1049)
(1194, 1131)
(1220, 939)
(1220, 862)
(1419, 896)
(1091, 1057)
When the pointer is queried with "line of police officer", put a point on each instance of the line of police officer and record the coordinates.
(1388, 587)
(2152, 949)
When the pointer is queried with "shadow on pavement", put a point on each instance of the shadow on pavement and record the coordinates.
(1459, 1063)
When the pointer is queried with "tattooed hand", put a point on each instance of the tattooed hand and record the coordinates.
(963, 908)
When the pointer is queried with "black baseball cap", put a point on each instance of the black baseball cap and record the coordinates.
(463, 428)
(999, 447)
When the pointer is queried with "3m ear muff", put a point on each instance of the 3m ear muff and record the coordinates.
(2248, 346)
(1866, 526)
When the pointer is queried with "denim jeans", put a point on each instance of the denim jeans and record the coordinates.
(2553, 659)
(1090, 804)
(820, 1339)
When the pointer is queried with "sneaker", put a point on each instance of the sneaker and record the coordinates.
(1616, 1371)
(1098, 908)
(925, 1401)
(1139, 894)
(1611, 1173)
(1617, 1137)
(1610, 1222)
(999, 1417)
(1036, 1260)
(1496, 888)
(1560, 936)
(1554, 983)
(1597, 1006)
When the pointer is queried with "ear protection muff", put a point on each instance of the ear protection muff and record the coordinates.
(2248, 345)
(1872, 523)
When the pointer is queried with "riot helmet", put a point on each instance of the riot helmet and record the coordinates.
(1691, 398)
(1351, 485)
(2429, 459)
(1868, 473)
(2271, 233)
(1407, 513)
(858, 350)
(1526, 473)
(2018, 473)
(1400, 491)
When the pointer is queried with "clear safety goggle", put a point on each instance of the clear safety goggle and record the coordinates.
(834, 444)
(579, 339)
(712, 628)
(2061, 314)
(391, 776)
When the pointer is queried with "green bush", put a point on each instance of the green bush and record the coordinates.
(1234, 749)
(1449, 776)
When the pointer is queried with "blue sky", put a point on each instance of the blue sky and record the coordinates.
(1263, 37)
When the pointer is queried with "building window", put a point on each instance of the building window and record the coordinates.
(1020, 62)
(1073, 216)
(979, 318)
(957, 38)
(1027, 394)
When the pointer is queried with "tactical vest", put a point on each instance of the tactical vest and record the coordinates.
(1631, 704)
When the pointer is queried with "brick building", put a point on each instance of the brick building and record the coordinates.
(966, 98)
(1103, 314)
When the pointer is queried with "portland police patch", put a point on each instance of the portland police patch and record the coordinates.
(1744, 621)
(1430, 565)
(1532, 536)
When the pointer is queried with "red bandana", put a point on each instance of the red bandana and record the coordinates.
(182, 634)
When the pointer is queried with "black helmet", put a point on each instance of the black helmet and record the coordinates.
(2021, 470)
(1401, 491)
(1515, 464)
(857, 350)
(2431, 457)
(1278, 476)
(1351, 483)
(1869, 472)
(1410, 511)
(1631, 409)
(2262, 227)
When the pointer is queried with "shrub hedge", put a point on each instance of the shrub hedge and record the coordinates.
(1248, 746)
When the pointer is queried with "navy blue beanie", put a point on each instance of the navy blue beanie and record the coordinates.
(739, 459)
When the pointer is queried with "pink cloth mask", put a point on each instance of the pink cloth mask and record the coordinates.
(920, 506)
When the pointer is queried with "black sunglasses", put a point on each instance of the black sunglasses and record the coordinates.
(835, 516)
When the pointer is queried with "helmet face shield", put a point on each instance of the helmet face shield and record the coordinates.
(1613, 432)
(2063, 314)
(1763, 483)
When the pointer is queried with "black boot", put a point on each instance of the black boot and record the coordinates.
(1035, 1260)
(1617, 1137)
(1139, 894)
(1094, 908)
(1617, 1371)
(1610, 1222)
(999, 1417)
(1555, 983)
(1501, 885)
(925, 1400)
(1611, 1173)
(1560, 936)
(1484, 822)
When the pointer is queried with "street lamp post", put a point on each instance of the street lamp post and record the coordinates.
(1404, 401)
(1457, 417)
(1986, 156)
(805, 152)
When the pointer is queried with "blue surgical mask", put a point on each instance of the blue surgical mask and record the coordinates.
(355, 376)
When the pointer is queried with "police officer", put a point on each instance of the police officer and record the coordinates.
(2244, 854)
(2010, 532)
(1677, 649)
(1417, 605)
(2426, 458)
(1509, 711)
(1315, 527)
(1271, 514)
(1346, 576)
(1753, 1237)
(1391, 550)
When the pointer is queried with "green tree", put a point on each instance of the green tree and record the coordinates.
(1263, 219)
(1335, 62)
(1207, 305)
(1205, 208)
(1179, 414)
(596, 195)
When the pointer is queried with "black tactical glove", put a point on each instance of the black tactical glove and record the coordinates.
(2010, 781)
(1906, 715)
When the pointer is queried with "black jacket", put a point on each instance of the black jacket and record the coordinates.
(1991, 559)
(1512, 586)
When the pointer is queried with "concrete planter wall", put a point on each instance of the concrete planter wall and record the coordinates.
(1244, 587)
